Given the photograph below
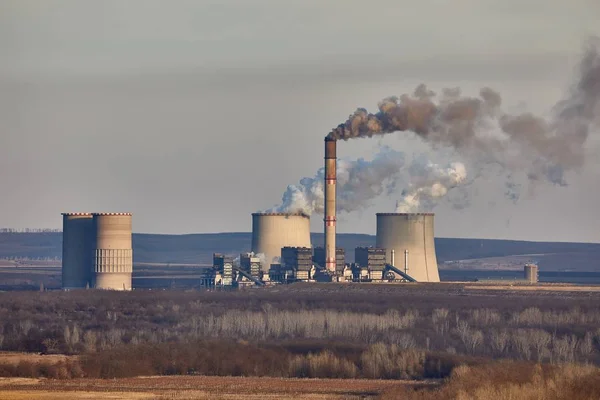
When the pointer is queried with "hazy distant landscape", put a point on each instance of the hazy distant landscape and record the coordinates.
(197, 249)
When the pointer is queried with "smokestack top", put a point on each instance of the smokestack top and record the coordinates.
(403, 214)
(281, 214)
(330, 148)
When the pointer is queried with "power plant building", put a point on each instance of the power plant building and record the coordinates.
(320, 258)
(250, 264)
(273, 231)
(373, 259)
(298, 259)
(97, 251)
(410, 235)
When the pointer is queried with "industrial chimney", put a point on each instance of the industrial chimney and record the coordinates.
(410, 234)
(272, 231)
(330, 193)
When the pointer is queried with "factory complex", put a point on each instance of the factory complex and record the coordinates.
(97, 249)
(282, 253)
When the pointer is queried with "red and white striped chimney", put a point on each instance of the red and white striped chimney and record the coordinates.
(330, 193)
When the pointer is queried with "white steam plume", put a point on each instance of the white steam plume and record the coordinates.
(358, 182)
(429, 182)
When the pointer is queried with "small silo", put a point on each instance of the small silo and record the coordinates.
(112, 251)
(273, 231)
(531, 273)
(77, 250)
(410, 234)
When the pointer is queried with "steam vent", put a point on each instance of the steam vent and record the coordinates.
(410, 236)
(97, 251)
(272, 231)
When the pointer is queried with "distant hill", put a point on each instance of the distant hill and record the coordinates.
(198, 248)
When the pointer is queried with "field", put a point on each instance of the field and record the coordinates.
(317, 341)
(197, 387)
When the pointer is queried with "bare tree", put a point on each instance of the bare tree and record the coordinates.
(89, 341)
(405, 341)
(499, 341)
(564, 348)
(439, 317)
(521, 342)
(586, 345)
(50, 345)
(463, 331)
(474, 339)
(540, 340)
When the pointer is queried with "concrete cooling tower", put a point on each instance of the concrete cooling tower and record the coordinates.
(272, 231)
(77, 250)
(112, 251)
(412, 233)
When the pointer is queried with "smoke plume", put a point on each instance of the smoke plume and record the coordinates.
(428, 183)
(358, 182)
(542, 149)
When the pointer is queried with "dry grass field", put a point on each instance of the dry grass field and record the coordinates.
(535, 288)
(14, 358)
(197, 387)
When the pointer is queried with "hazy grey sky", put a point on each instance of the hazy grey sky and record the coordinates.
(194, 114)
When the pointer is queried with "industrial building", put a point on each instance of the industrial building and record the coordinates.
(339, 260)
(370, 264)
(304, 264)
(299, 260)
(97, 251)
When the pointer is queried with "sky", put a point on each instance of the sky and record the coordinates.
(194, 114)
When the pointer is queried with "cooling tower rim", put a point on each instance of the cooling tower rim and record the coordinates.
(404, 214)
(103, 214)
(280, 214)
(75, 214)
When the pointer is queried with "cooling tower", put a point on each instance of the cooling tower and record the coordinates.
(112, 252)
(272, 231)
(77, 250)
(412, 233)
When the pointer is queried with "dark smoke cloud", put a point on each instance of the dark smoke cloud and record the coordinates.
(478, 127)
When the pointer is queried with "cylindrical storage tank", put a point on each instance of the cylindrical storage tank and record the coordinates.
(413, 233)
(272, 231)
(113, 254)
(77, 250)
(531, 273)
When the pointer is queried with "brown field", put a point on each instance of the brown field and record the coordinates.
(14, 358)
(536, 288)
(198, 387)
